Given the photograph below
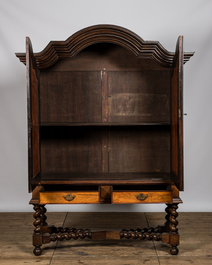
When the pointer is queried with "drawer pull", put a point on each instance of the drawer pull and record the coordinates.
(69, 197)
(141, 196)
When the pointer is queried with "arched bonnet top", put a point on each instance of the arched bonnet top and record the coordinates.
(56, 50)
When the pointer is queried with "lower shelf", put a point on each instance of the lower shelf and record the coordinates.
(124, 178)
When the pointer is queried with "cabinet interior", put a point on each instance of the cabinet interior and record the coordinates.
(105, 111)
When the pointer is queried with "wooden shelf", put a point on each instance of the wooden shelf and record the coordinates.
(105, 124)
(105, 178)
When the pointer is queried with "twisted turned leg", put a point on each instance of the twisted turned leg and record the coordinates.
(174, 236)
(37, 235)
(167, 210)
(168, 233)
(43, 216)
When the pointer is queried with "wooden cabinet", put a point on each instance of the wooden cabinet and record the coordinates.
(105, 125)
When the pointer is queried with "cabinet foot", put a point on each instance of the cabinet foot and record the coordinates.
(37, 251)
(174, 250)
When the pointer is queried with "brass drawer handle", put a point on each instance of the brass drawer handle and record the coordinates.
(69, 197)
(141, 196)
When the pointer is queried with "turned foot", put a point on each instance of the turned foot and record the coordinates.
(174, 250)
(37, 251)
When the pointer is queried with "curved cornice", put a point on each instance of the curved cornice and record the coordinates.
(56, 50)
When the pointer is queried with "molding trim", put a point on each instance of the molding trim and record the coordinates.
(56, 50)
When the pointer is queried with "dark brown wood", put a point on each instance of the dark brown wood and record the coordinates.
(48, 229)
(104, 96)
(105, 123)
(177, 113)
(105, 150)
(145, 233)
(43, 216)
(71, 149)
(129, 178)
(105, 194)
(140, 96)
(70, 97)
(37, 235)
(36, 194)
(33, 113)
(174, 236)
(66, 233)
(165, 238)
(56, 50)
(139, 149)
(105, 57)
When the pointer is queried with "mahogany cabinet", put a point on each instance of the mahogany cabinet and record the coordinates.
(105, 125)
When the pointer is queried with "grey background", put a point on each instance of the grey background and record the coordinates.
(162, 21)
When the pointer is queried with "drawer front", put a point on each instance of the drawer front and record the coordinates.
(69, 197)
(127, 197)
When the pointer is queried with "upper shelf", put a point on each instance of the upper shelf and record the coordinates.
(56, 50)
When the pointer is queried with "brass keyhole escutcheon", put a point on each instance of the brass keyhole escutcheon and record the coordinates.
(69, 197)
(141, 196)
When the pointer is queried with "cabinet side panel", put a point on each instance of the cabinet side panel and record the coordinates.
(33, 115)
(175, 139)
(35, 123)
(70, 97)
(177, 114)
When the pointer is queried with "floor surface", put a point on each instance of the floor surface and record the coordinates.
(194, 228)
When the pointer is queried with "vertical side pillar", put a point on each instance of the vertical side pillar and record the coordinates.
(37, 235)
(173, 230)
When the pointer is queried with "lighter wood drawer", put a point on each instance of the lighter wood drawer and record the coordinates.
(69, 197)
(128, 197)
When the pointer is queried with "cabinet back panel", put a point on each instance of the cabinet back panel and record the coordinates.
(139, 96)
(139, 149)
(71, 149)
(105, 149)
(70, 96)
(105, 83)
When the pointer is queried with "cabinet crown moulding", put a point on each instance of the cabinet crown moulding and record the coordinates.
(56, 50)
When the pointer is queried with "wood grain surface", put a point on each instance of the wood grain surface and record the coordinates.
(128, 197)
(79, 197)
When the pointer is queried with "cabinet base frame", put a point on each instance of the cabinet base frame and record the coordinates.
(167, 233)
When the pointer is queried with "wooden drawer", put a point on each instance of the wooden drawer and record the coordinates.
(128, 197)
(69, 197)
